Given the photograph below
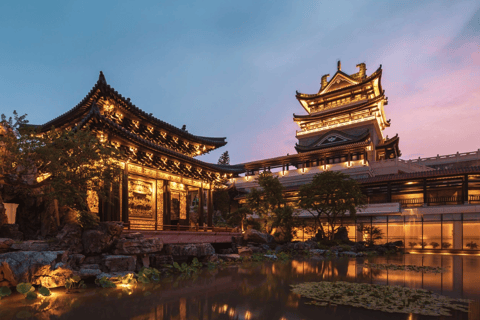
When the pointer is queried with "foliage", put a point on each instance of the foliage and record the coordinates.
(412, 244)
(74, 282)
(237, 217)
(345, 247)
(435, 245)
(5, 292)
(186, 269)
(221, 201)
(62, 165)
(145, 275)
(446, 245)
(128, 278)
(283, 256)
(472, 245)
(253, 224)
(24, 288)
(224, 158)
(44, 291)
(104, 282)
(379, 297)
(31, 295)
(330, 195)
(373, 233)
(284, 220)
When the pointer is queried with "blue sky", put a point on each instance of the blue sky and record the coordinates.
(231, 68)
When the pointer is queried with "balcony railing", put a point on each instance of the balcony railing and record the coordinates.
(177, 227)
(431, 201)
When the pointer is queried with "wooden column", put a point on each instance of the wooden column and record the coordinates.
(166, 203)
(465, 189)
(201, 219)
(389, 191)
(125, 194)
(425, 200)
(210, 207)
(188, 200)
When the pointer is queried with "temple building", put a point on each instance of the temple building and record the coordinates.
(162, 179)
(427, 203)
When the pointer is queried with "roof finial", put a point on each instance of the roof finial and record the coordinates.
(339, 65)
(101, 78)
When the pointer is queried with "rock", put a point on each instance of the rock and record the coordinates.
(120, 263)
(190, 250)
(229, 257)
(264, 247)
(70, 238)
(101, 238)
(279, 249)
(75, 260)
(255, 249)
(271, 256)
(348, 254)
(11, 231)
(157, 260)
(244, 251)
(299, 246)
(341, 234)
(227, 251)
(133, 235)
(5, 244)
(138, 246)
(85, 273)
(359, 246)
(113, 276)
(317, 252)
(212, 258)
(31, 245)
(32, 266)
(93, 260)
(255, 236)
(381, 250)
(57, 278)
(270, 239)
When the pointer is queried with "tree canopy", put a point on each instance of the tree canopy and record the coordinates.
(330, 195)
(224, 158)
(60, 165)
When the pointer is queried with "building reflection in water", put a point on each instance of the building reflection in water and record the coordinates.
(262, 291)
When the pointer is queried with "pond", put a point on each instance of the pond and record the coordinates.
(258, 291)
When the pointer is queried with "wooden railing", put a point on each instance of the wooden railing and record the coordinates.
(177, 227)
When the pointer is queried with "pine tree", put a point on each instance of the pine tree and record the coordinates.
(224, 158)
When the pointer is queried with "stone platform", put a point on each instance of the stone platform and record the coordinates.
(188, 236)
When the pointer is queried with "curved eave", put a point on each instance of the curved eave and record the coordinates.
(101, 88)
(337, 110)
(306, 96)
(95, 113)
(361, 138)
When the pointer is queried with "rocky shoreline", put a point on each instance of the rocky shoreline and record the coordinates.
(105, 251)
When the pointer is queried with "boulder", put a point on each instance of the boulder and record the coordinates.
(85, 273)
(317, 252)
(190, 250)
(348, 254)
(5, 244)
(120, 263)
(93, 260)
(31, 245)
(76, 259)
(70, 238)
(138, 246)
(11, 231)
(113, 276)
(256, 236)
(229, 257)
(101, 238)
(57, 278)
(212, 258)
(244, 251)
(157, 260)
(33, 267)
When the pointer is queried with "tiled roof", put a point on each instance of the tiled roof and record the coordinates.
(313, 145)
(95, 113)
(102, 86)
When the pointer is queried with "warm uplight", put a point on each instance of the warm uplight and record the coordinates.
(248, 315)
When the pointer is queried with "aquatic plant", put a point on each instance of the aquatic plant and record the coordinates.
(74, 283)
(44, 291)
(5, 292)
(393, 299)
(27, 290)
(184, 268)
(407, 267)
(104, 282)
(145, 275)
(283, 256)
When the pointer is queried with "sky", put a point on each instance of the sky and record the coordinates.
(231, 68)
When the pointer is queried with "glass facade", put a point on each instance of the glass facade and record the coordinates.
(416, 232)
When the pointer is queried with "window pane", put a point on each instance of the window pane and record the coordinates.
(413, 233)
(432, 235)
(471, 235)
(447, 235)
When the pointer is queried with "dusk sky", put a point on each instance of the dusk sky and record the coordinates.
(231, 68)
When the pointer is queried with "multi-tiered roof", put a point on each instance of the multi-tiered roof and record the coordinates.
(145, 139)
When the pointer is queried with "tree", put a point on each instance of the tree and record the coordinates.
(269, 197)
(330, 195)
(373, 233)
(224, 158)
(58, 166)
(284, 221)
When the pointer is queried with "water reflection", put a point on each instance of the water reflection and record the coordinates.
(255, 291)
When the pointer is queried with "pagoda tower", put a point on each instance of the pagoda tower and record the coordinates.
(345, 119)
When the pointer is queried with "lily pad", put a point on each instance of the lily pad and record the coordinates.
(378, 297)
(424, 269)
(44, 291)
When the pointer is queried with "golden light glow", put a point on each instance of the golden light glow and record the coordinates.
(43, 177)
(248, 315)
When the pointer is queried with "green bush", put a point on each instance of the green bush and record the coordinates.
(345, 247)
(5, 292)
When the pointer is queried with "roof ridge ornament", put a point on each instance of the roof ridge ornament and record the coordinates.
(101, 78)
(339, 65)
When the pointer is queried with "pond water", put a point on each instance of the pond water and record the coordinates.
(256, 291)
